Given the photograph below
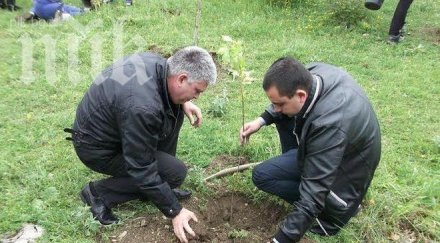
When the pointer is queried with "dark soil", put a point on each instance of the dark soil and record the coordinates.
(224, 218)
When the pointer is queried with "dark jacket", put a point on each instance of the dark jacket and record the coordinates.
(127, 109)
(339, 150)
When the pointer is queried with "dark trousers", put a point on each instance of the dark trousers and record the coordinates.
(399, 17)
(120, 187)
(281, 176)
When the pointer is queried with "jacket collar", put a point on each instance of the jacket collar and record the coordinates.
(313, 96)
(162, 71)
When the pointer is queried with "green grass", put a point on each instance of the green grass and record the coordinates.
(40, 175)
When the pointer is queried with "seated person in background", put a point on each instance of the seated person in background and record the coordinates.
(55, 9)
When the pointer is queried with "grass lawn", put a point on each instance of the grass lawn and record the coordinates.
(46, 68)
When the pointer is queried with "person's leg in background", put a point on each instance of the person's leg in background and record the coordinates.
(398, 21)
(10, 4)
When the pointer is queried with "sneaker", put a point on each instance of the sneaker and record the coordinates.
(128, 3)
(99, 211)
(394, 39)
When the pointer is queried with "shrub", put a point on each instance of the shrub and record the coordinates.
(218, 105)
(347, 12)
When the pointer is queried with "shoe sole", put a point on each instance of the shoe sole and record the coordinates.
(84, 198)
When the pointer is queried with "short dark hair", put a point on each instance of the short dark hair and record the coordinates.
(287, 75)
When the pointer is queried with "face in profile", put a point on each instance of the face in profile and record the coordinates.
(181, 91)
(285, 105)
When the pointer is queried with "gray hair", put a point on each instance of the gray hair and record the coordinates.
(194, 61)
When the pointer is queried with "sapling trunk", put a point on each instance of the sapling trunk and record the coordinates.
(197, 22)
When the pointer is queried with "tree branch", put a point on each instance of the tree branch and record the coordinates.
(231, 170)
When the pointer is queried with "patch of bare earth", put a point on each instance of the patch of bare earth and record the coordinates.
(408, 233)
(223, 217)
(430, 34)
(224, 161)
(227, 217)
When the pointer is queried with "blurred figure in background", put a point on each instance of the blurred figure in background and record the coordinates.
(9, 4)
(50, 10)
(396, 32)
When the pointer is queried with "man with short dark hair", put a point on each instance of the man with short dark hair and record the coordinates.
(330, 141)
(127, 126)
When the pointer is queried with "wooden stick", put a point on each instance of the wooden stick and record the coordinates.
(231, 170)
(197, 22)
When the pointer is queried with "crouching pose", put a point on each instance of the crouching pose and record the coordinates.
(330, 141)
(127, 126)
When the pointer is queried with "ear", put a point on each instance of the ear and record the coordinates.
(302, 95)
(181, 78)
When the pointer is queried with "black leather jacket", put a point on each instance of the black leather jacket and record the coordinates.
(339, 149)
(127, 109)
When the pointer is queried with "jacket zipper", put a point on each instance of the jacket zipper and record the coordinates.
(175, 119)
(294, 132)
(338, 199)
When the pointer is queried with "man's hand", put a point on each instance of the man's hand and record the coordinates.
(181, 224)
(191, 110)
(250, 128)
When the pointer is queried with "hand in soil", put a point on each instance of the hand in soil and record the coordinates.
(181, 224)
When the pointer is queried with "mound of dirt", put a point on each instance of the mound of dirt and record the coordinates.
(225, 218)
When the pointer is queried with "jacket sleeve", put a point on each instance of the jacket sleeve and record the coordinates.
(269, 115)
(324, 151)
(140, 136)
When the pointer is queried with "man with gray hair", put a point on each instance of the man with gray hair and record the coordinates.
(127, 126)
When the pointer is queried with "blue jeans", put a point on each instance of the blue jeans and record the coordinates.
(46, 9)
(279, 176)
